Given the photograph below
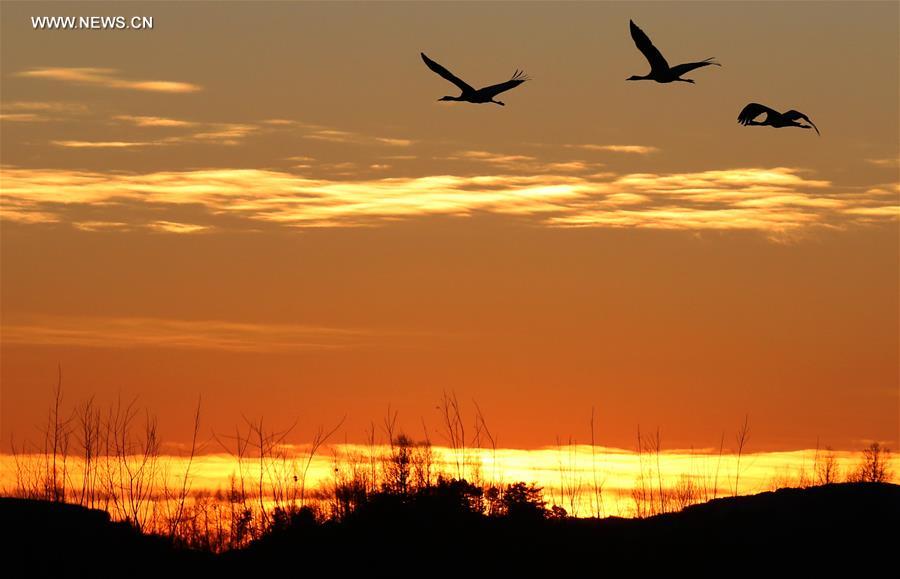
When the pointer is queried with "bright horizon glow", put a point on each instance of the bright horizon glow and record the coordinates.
(565, 473)
(293, 228)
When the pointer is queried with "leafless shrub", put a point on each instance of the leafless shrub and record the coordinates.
(827, 467)
(570, 483)
(873, 467)
(481, 429)
(89, 428)
(175, 520)
(741, 438)
(650, 497)
(685, 493)
(56, 447)
(455, 431)
(132, 463)
(597, 488)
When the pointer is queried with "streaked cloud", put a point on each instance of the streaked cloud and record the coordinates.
(886, 162)
(633, 149)
(108, 78)
(145, 121)
(38, 112)
(103, 144)
(333, 135)
(23, 117)
(285, 198)
(626, 199)
(885, 211)
(160, 226)
(774, 201)
(208, 133)
(44, 106)
(522, 163)
(129, 332)
(101, 225)
(11, 212)
(221, 133)
(213, 133)
(174, 227)
(487, 156)
(394, 142)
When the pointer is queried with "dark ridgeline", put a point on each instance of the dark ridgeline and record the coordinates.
(774, 118)
(444, 529)
(470, 94)
(53, 539)
(660, 71)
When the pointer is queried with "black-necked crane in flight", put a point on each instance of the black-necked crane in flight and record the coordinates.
(472, 95)
(774, 118)
(660, 71)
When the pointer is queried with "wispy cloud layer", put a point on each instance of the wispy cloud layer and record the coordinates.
(38, 112)
(520, 164)
(108, 78)
(102, 144)
(770, 200)
(145, 121)
(339, 136)
(23, 117)
(127, 332)
(633, 149)
(207, 133)
(885, 162)
(182, 131)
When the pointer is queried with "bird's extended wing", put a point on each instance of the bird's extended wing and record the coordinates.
(752, 111)
(443, 72)
(680, 69)
(793, 115)
(518, 78)
(651, 53)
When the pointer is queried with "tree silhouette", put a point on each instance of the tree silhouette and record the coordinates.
(523, 501)
(874, 465)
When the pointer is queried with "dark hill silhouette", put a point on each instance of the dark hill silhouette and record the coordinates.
(848, 528)
(44, 539)
(813, 528)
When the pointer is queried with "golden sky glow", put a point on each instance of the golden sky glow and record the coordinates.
(772, 201)
(268, 206)
(107, 77)
(567, 474)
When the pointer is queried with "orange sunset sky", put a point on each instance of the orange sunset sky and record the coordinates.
(265, 204)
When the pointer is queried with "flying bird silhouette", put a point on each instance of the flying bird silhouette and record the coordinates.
(660, 71)
(774, 118)
(472, 95)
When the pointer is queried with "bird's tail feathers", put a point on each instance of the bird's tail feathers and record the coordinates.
(520, 75)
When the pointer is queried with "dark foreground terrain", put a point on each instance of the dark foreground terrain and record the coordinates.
(847, 530)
